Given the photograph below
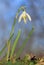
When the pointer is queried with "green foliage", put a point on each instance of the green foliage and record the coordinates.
(5, 45)
(15, 43)
(8, 63)
(11, 36)
(7, 60)
(31, 63)
(3, 50)
(9, 41)
(19, 62)
(12, 31)
(24, 43)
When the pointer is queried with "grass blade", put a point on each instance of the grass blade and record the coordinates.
(12, 30)
(3, 49)
(15, 43)
(24, 43)
(5, 46)
(9, 41)
(11, 35)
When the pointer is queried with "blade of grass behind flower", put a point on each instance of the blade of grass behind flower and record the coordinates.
(15, 43)
(11, 35)
(24, 43)
(3, 49)
(5, 46)
(12, 30)
(9, 41)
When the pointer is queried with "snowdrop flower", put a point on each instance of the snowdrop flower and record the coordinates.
(24, 16)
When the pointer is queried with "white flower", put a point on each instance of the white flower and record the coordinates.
(24, 16)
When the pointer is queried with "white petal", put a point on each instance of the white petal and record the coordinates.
(29, 17)
(20, 18)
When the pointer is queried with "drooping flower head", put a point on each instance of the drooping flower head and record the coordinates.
(24, 16)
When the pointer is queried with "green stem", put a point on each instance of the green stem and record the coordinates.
(15, 43)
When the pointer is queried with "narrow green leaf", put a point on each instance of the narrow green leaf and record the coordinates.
(12, 30)
(3, 49)
(24, 43)
(15, 43)
(11, 35)
(9, 41)
(5, 45)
